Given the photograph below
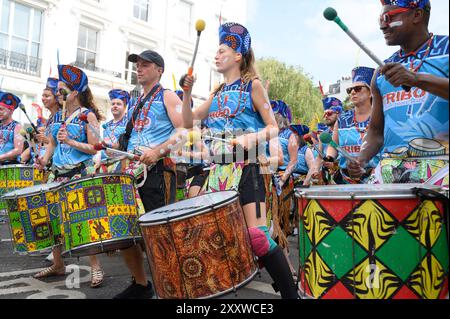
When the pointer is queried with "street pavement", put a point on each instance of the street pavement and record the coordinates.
(17, 282)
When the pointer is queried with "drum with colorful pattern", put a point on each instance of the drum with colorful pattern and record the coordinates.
(373, 242)
(13, 177)
(100, 214)
(199, 248)
(34, 217)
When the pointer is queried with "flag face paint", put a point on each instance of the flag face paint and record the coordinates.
(395, 24)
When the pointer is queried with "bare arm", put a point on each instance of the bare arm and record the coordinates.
(92, 138)
(311, 163)
(18, 146)
(293, 157)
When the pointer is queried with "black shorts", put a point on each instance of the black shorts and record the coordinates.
(252, 188)
(153, 191)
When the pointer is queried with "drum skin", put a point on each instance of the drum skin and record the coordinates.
(373, 249)
(35, 220)
(100, 214)
(14, 177)
(202, 256)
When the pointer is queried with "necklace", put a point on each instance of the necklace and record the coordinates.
(357, 124)
(140, 123)
(114, 127)
(429, 44)
(238, 108)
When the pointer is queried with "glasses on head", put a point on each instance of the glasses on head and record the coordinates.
(387, 16)
(357, 89)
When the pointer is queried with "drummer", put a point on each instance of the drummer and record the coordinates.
(11, 142)
(71, 148)
(50, 102)
(107, 162)
(351, 127)
(241, 106)
(151, 131)
(410, 127)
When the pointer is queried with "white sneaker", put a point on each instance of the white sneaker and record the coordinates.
(49, 257)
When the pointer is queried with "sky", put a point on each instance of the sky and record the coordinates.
(296, 33)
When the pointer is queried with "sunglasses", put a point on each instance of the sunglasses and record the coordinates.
(357, 89)
(328, 113)
(64, 92)
(387, 16)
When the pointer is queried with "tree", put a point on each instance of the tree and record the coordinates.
(290, 84)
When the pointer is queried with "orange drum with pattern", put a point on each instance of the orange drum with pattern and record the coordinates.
(198, 248)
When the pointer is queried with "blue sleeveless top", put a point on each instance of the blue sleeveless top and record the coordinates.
(157, 126)
(113, 131)
(351, 137)
(302, 166)
(66, 155)
(232, 110)
(7, 137)
(416, 114)
(284, 137)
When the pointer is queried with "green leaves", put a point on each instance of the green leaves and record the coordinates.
(292, 85)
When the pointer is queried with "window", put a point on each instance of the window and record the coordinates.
(185, 19)
(87, 46)
(130, 68)
(20, 37)
(141, 9)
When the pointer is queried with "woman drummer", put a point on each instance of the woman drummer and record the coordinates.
(50, 102)
(241, 105)
(71, 148)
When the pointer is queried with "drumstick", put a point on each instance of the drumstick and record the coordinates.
(84, 118)
(24, 134)
(325, 138)
(200, 26)
(22, 107)
(131, 156)
(331, 15)
(308, 139)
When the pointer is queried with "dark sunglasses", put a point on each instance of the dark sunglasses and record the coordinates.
(357, 89)
(64, 92)
(328, 113)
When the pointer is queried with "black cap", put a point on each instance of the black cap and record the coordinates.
(150, 56)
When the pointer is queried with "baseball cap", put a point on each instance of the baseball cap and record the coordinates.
(150, 56)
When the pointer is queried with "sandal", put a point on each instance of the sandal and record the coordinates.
(50, 272)
(96, 277)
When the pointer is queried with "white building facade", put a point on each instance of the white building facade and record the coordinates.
(98, 36)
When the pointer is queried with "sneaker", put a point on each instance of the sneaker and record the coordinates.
(136, 291)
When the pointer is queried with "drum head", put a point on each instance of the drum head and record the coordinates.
(30, 191)
(189, 207)
(364, 191)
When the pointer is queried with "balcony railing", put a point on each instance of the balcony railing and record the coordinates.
(91, 67)
(20, 63)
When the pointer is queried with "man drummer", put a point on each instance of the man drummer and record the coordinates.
(152, 122)
(351, 127)
(11, 142)
(113, 129)
(410, 98)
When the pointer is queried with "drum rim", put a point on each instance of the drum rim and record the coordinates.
(9, 196)
(419, 147)
(73, 251)
(95, 176)
(202, 210)
(18, 166)
(400, 191)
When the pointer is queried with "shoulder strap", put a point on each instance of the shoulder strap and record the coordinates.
(75, 114)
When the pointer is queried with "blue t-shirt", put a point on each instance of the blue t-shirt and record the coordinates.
(302, 166)
(65, 155)
(112, 132)
(153, 126)
(351, 137)
(416, 114)
(7, 137)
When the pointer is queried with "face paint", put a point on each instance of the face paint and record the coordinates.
(226, 59)
(266, 106)
(162, 151)
(395, 24)
(179, 109)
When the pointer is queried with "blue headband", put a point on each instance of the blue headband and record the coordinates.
(74, 77)
(9, 100)
(52, 85)
(322, 127)
(300, 129)
(411, 4)
(235, 36)
(119, 94)
(333, 104)
(363, 74)
(280, 107)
